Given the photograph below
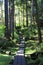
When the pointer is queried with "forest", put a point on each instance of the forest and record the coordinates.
(21, 32)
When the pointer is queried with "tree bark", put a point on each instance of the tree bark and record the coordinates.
(11, 11)
(38, 24)
(42, 7)
(6, 18)
(23, 14)
(27, 13)
(32, 9)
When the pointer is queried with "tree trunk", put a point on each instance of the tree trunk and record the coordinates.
(32, 9)
(23, 14)
(11, 11)
(27, 13)
(37, 21)
(42, 7)
(6, 18)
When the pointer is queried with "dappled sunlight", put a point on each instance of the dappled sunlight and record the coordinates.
(21, 32)
(5, 55)
(29, 51)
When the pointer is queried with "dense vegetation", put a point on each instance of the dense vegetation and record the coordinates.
(26, 18)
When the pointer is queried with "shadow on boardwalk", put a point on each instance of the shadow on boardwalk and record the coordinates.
(20, 58)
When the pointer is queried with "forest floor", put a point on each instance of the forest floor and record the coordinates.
(31, 46)
(5, 59)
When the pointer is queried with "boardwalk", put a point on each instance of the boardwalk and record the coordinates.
(19, 58)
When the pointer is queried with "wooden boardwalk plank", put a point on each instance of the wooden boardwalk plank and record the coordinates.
(19, 58)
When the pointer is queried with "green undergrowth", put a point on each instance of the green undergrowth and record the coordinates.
(5, 59)
(38, 61)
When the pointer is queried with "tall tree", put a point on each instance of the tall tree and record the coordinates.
(6, 18)
(23, 14)
(32, 10)
(42, 6)
(27, 13)
(11, 11)
(37, 21)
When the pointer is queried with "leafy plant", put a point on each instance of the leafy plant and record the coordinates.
(2, 30)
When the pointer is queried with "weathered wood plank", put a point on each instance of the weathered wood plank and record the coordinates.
(19, 58)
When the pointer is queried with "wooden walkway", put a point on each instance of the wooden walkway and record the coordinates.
(20, 58)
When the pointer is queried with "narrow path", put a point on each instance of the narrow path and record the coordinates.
(20, 58)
